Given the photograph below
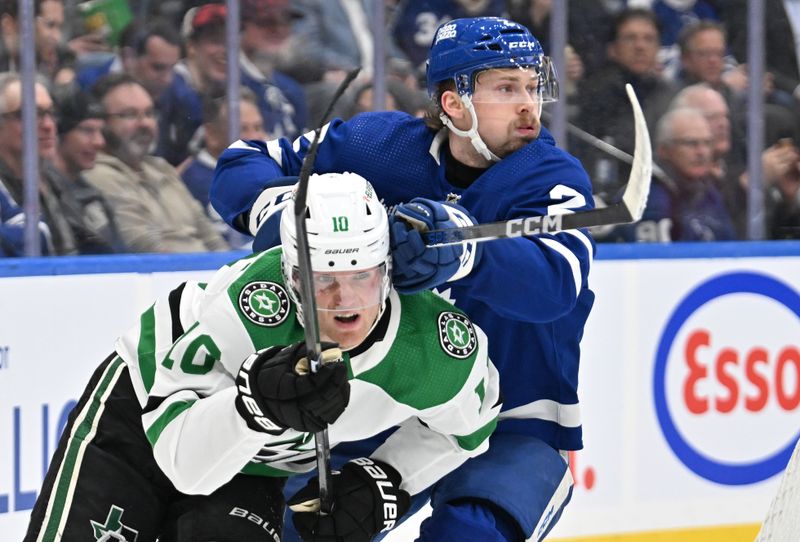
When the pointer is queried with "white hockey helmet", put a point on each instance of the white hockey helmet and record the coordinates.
(348, 230)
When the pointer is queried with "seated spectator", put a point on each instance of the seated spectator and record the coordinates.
(398, 98)
(783, 191)
(12, 229)
(781, 28)
(605, 111)
(53, 212)
(281, 99)
(201, 74)
(80, 131)
(588, 25)
(691, 207)
(148, 53)
(153, 209)
(729, 156)
(198, 171)
(413, 24)
(54, 61)
(673, 16)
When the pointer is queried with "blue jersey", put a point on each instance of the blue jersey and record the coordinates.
(531, 295)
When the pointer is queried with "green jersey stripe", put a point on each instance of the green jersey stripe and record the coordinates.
(172, 411)
(146, 349)
(83, 432)
(473, 440)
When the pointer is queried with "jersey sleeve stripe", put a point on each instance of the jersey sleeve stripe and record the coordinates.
(573, 262)
(583, 238)
(145, 349)
(170, 413)
(175, 312)
(239, 144)
(274, 150)
(548, 410)
(473, 440)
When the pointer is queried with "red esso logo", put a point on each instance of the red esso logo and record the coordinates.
(732, 378)
(748, 379)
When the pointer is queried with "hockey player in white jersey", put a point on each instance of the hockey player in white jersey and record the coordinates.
(189, 430)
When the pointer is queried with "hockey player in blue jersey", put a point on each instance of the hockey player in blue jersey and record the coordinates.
(485, 149)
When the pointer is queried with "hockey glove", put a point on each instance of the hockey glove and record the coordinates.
(420, 267)
(367, 499)
(277, 390)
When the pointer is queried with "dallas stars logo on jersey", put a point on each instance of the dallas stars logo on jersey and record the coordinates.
(264, 303)
(456, 335)
(113, 528)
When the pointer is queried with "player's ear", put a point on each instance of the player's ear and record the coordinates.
(452, 105)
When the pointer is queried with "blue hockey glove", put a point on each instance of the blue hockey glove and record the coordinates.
(419, 267)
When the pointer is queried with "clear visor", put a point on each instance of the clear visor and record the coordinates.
(347, 290)
(517, 85)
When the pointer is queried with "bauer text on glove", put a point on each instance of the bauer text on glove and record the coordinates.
(276, 390)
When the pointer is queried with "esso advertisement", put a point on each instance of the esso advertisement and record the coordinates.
(726, 380)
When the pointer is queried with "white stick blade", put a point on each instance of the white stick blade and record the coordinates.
(638, 188)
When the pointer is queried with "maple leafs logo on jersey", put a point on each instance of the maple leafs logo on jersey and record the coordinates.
(113, 528)
(456, 335)
(264, 303)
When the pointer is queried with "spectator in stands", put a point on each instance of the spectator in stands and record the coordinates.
(198, 171)
(398, 98)
(783, 190)
(53, 213)
(673, 16)
(782, 42)
(80, 131)
(691, 207)
(413, 24)
(728, 154)
(153, 209)
(266, 26)
(589, 25)
(12, 229)
(148, 53)
(201, 74)
(603, 103)
(338, 34)
(727, 166)
(703, 47)
(54, 60)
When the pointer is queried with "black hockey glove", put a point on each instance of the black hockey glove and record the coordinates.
(277, 390)
(367, 499)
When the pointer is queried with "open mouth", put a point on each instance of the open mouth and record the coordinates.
(346, 318)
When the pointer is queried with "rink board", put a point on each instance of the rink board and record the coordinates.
(690, 379)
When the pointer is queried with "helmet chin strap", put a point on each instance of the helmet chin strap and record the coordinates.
(472, 133)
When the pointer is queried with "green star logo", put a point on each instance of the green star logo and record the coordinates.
(457, 335)
(113, 528)
(264, 303)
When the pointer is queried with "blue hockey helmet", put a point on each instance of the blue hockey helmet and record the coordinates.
(463, 47)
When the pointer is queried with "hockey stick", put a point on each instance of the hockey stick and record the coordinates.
(311, 326)
(630, 209)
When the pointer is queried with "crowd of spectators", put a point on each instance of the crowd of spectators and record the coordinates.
(130, 122)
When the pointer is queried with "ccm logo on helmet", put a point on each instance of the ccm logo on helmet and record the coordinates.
(522, 44)
(726, 380)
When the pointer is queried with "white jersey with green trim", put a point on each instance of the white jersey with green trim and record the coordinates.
(424, 368)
